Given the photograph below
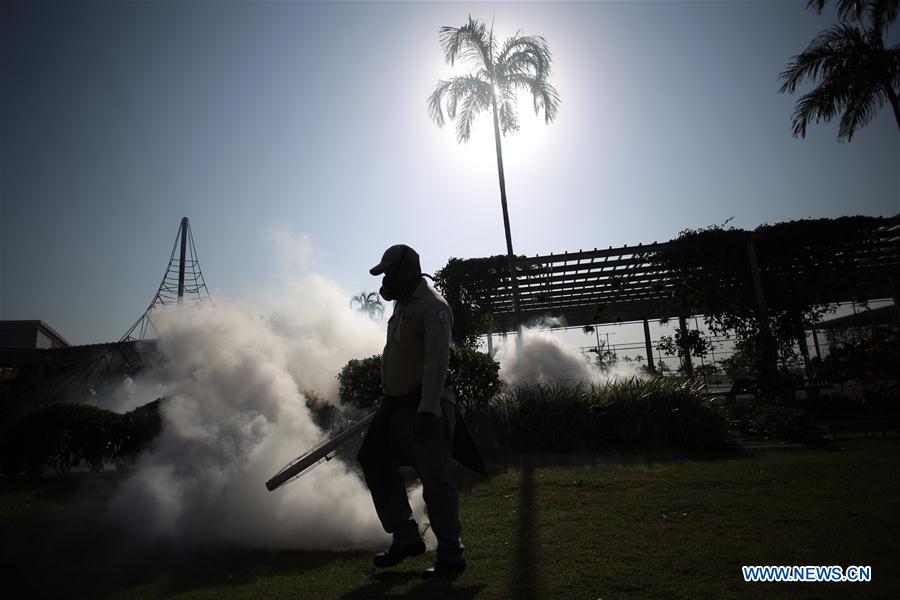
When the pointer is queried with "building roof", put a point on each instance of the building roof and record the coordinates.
(862, 318)
(39, 325)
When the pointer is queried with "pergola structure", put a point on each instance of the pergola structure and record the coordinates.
(631, 283)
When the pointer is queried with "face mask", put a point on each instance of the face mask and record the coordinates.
(390, 290)
(390, 287)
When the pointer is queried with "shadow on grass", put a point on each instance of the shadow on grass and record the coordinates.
(63, 547)
(96, 563)
(59, 545)
(646, 456)
(384, 584)
(523, 584)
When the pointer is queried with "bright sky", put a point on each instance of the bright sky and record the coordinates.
(273, 121)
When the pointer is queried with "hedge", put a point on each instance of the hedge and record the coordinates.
(629, 414)
(61, 436)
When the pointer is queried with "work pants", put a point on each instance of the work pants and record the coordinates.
(431, 462)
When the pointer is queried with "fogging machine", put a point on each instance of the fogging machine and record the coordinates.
(322, 452)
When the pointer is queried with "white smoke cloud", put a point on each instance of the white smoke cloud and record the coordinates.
(544, 358)
(235, 414)
(293, 252)
(123, 395)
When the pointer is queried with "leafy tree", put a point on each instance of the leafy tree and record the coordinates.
(476, 381)
(795, 261)
(497, 75)
(470, 287)
(707, 370)
(359, 382)
(605, 358)
(857, 74)
(692, 342)
(742, 359)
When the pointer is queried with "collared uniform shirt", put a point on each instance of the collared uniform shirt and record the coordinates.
(418, 348)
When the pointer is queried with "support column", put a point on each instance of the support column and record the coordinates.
(804, 352)
(685, 351)
(184, 230)
(895, 292)
(649, 345)
(767, 357)
(490, 344)
(816, 342)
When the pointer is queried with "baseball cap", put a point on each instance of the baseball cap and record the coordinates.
(393, 256)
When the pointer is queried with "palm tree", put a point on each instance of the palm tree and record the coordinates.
(368, 303)
(858, 74)
(496, 76)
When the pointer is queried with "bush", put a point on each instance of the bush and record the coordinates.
(323, 414)
(61, 435)
(771, 420)
(476, 380)
(137, 431)
(624, 414)
(656, 412)
(359, 382)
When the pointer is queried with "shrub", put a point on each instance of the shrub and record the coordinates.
(656, 412)
(61, 435)
(323, 413)
(547, 417)
(137, 431)
(771, 420)
(476, 380)
(623, 414)
(359, 382)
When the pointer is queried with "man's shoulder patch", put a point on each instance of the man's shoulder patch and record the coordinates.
(442, 315)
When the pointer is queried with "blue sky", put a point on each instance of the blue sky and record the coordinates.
(117, 119)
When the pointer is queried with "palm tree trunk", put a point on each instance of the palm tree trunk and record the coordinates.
(886, 80)
(895, 103)
(510, 257)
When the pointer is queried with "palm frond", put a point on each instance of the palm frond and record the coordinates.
(846, 8)
(469, 42)
(473, 104)
(543, 94)
(452, 91)
(854, 72)
(892, 59)
(524, 54)
(507, 114)
(821, 104)
(816, 5)
(880, 12)
(866, 102)
(829, 51)
(435, 109)
(883, 13)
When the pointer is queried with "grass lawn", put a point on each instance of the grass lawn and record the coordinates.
(633, 529)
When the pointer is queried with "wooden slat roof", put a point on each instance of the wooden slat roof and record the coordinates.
(627, 284)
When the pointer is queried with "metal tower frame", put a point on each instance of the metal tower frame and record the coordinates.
(182, 277)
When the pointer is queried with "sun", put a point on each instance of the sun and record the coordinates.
(520, 149)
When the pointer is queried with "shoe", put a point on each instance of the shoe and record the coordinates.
(445, 569)
(397, 552)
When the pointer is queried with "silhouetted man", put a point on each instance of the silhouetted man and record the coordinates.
(416, 421)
